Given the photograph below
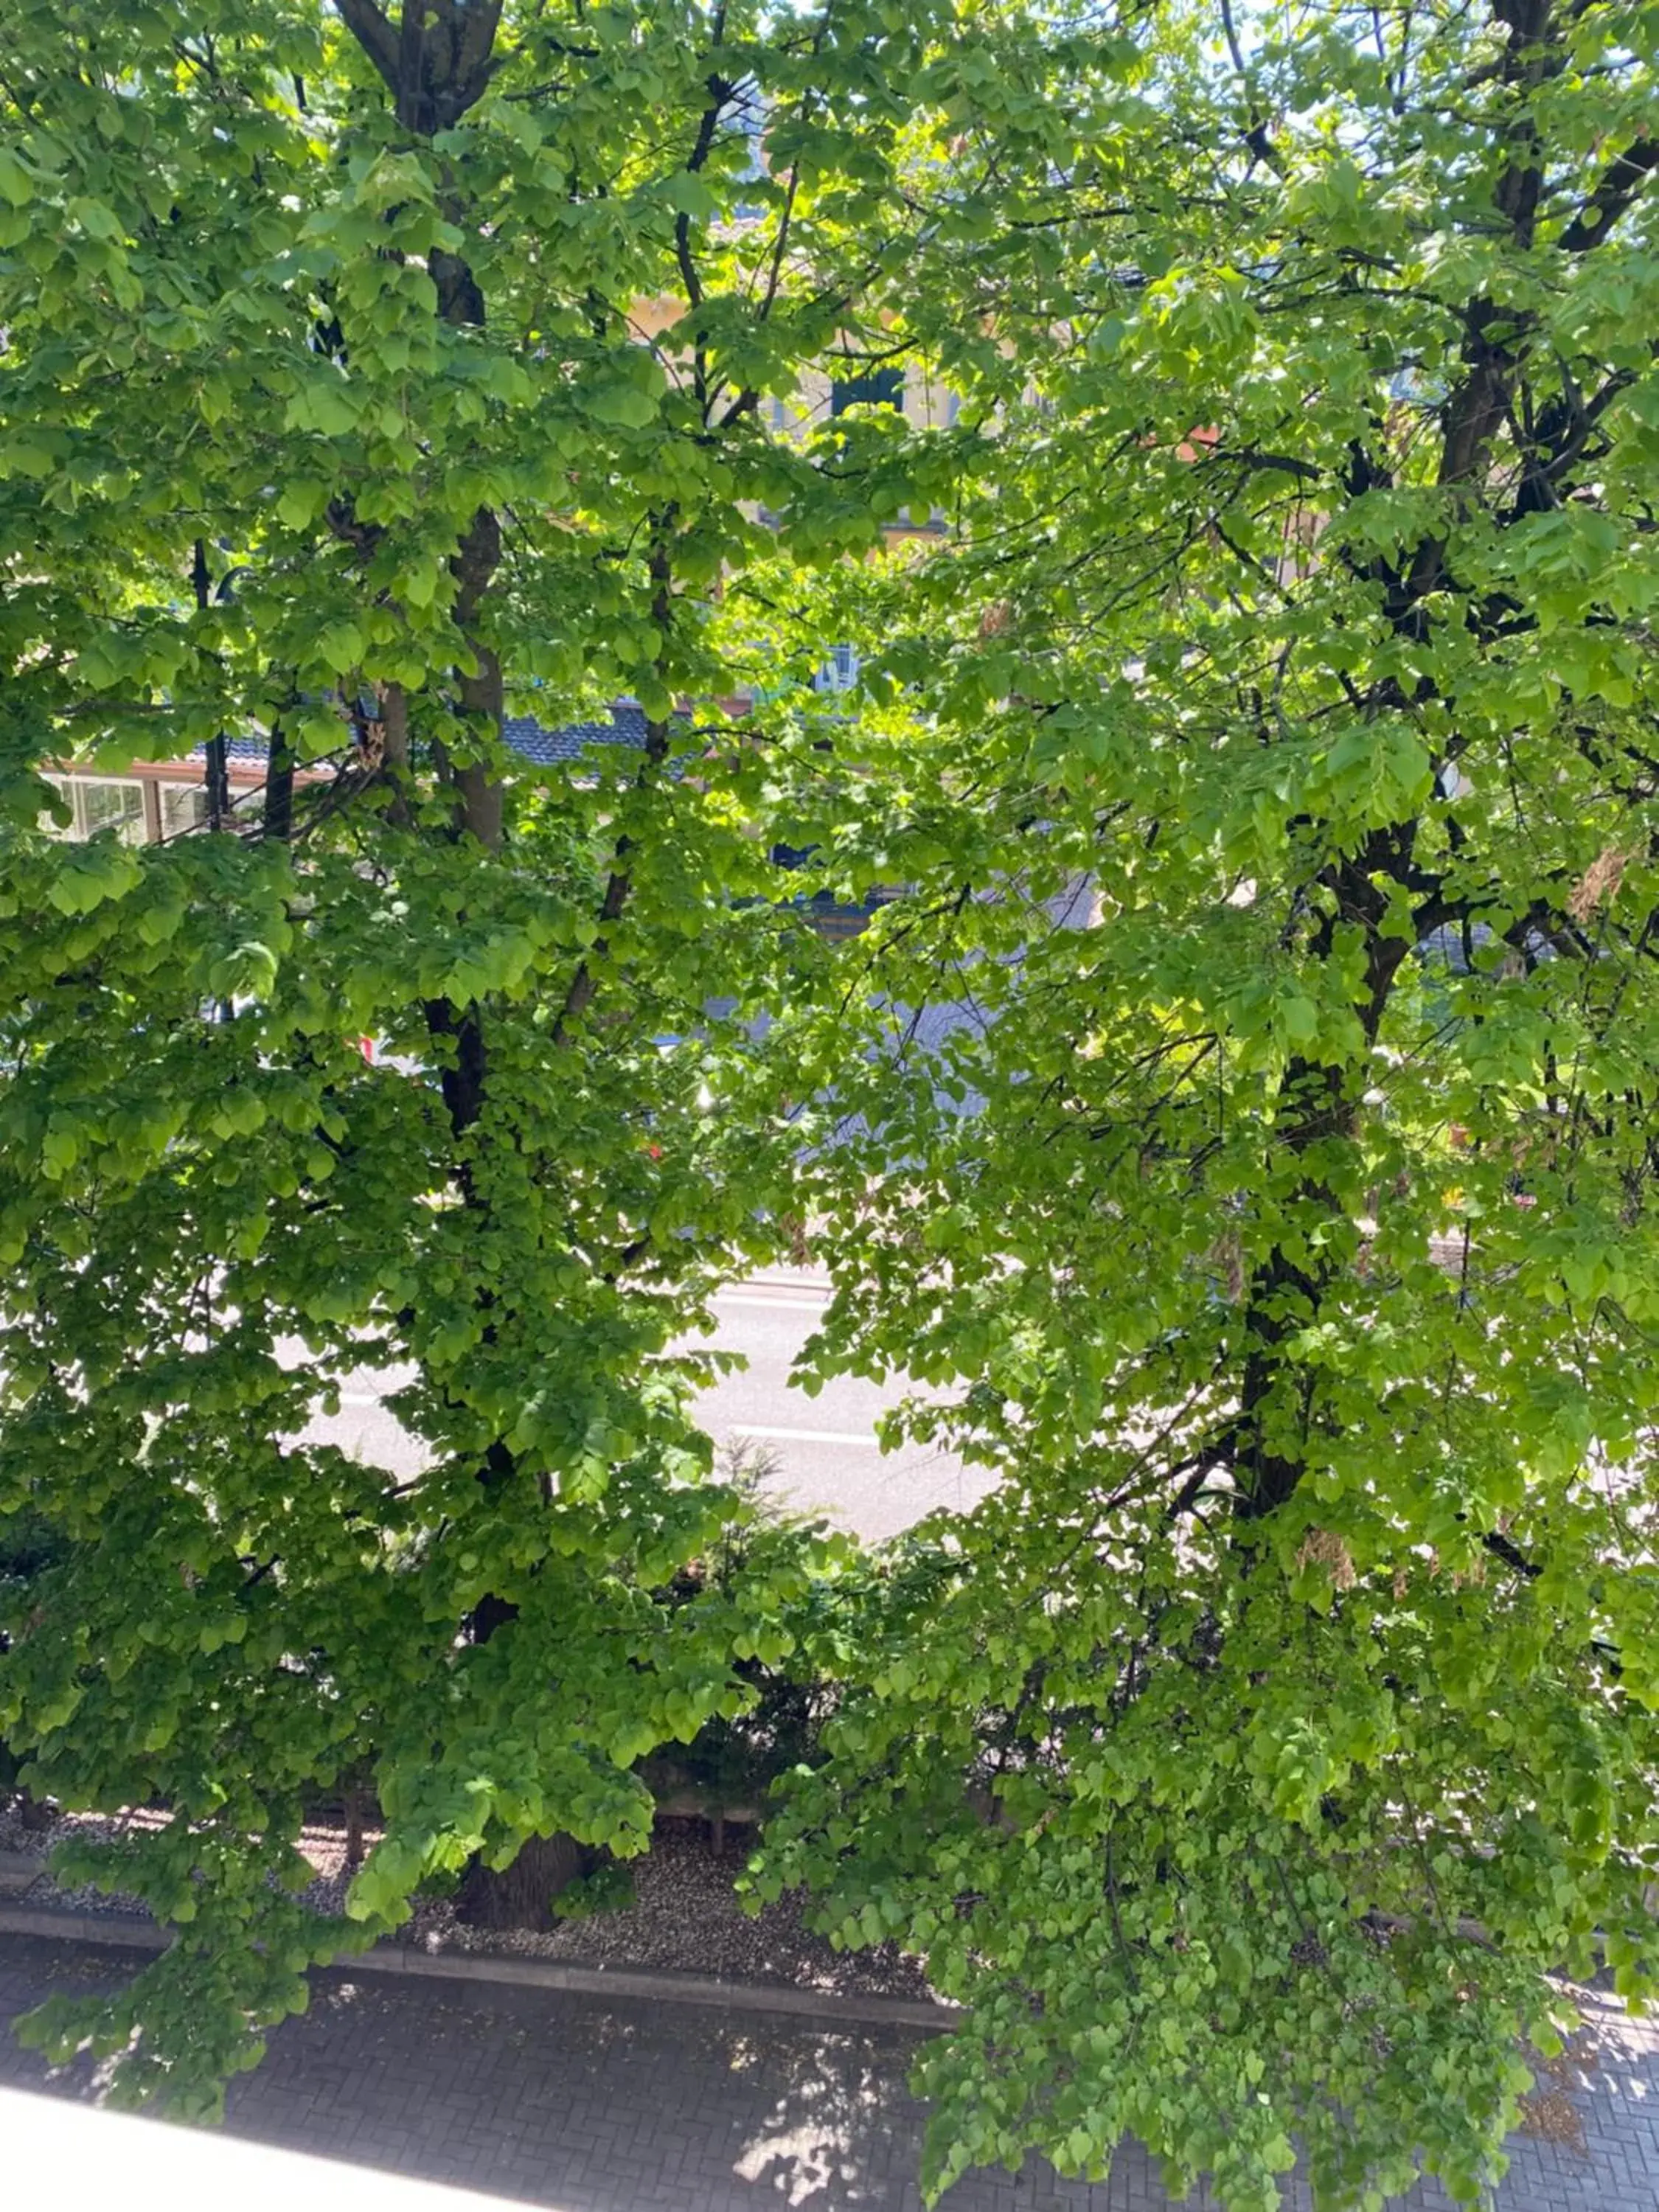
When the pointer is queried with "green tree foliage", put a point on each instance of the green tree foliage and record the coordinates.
(331, 405)
(1243, 1123)
(1256, 1149)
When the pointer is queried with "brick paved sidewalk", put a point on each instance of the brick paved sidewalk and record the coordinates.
(623, 2107)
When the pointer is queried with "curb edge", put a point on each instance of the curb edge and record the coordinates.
(126, 1932)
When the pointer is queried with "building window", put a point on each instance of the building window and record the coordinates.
(877, 387)
(748, 116)
(99, 802)
(184, 808)
(840, 672)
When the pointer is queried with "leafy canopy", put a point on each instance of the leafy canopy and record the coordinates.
(1254, 1148)
(1243, 1125)
(362, 379)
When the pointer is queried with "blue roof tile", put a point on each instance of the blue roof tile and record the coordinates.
(532, 740)
(544, 747)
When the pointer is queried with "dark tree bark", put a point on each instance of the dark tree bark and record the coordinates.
(1264, 1443)
(522, 1894)
(217, 775)
(33, 1813)
(279, 787)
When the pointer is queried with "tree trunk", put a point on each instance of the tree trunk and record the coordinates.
(34, 1813)
(437, 62)
(279, 787)
(353, 1828)
(521, 1895)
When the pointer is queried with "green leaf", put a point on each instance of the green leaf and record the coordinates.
(300, 503)
(15, 182)
(340, 646)
(323, 405)
(90, 875)
(621, 403)
(97, 220)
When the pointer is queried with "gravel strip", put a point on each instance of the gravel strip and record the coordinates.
(324, 1847)
(685, 1918)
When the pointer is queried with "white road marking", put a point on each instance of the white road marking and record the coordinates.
(737, 1428)
(803, 1436)
(752, 1299)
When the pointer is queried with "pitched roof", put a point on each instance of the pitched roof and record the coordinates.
(543, 746)
(528, 737)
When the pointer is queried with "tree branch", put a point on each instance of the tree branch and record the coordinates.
(374, 34)
(1620, 183)
(1511, 1555)
(619, 888)
(1255, 128)
(480, 21)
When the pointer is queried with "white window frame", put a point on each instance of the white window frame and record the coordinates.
(840, 672)
(130, 824)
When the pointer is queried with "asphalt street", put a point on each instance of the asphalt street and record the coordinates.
(824, 1449)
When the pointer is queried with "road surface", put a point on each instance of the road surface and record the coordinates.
(824, 1448)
